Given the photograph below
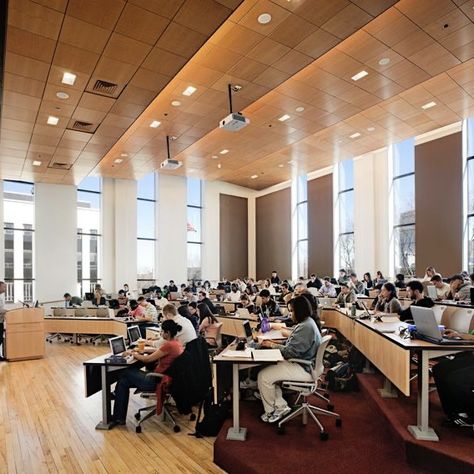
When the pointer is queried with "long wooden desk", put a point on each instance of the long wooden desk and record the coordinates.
(391, 354)
(85, 325)
(232, 325)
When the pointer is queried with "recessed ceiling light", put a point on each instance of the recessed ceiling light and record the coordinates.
(52, 120)
(192, 170)
(264, 18)
(384, 61)
(224, 151)
(280, 166)
(214, 157)
(155, 124)
(370, 129)
(355, 135)
(62, 95)
(219, 165)
(428, 105)
(283, 118)
(175, 103)
(254, 176)
(118, 160)
(190, 90)
(299, 109)
(36, 163)
(291, 162)
(359, 75)
(69, 78)
(124, 155)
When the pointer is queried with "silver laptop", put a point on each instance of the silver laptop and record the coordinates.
(326, 301)
(243, 313)
(427, 328)
(133, 334)
(431, 290)
(117, 345)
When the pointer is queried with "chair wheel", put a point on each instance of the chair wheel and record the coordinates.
(338, 422)
(281, 430)
(324, 436)
(192, 417)
(138, 429)
(137, 416)
(176, 429)
(330, 407)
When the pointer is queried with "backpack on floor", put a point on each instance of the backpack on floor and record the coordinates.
(342, 378)
(214, 416)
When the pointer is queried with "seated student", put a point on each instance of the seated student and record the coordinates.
(268, 286)
(379, 280)
(160, 300)
(208, 326)
(299, 288)
(206, 285)
(125, 289)
(460, 290)
(314, 282)
(203, 298)
(345, 296)
(284, 292)
(313, 301)
(430, 272)
(99, 298)
(388, 302)
(400, 281)
(343, 278)
(415, 293)
(122, 298)
(133, 377)
(246, 303)
(302, 344)
(368, 281)
(269, 306)
(136, 311)
(188, 295)
(190, 312)
(356, 285)
(71, 301)
(275, 279)
(442, 288)
(149, 311)
(186, 334)
(234, 294)
(172, 288)
(454, 380)
(327, 290)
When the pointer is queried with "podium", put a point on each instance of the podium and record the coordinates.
(24, 334)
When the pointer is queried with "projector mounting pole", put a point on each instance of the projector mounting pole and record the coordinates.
(168, 146)
(229, 87)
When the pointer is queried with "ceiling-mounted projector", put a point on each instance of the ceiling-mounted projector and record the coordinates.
(170, 164)
(234, 122)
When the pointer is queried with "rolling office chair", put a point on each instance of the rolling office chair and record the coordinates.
(306, 389)
(59, 312)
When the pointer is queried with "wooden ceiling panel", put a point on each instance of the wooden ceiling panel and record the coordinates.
(83, 35)
(181, 40)
(166, 8)
(292, 31)
(31, 45)
(347, 21)
(317, 43)
(102, 13)
(27, 67)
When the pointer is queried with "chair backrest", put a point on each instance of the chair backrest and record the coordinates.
(103, 313)
(59, 312)
(461, 319)
(80, 312)
(87, 304)
(438, 312)
(314, 291)
(318, 368)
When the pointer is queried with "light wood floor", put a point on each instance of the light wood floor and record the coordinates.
(47, 424)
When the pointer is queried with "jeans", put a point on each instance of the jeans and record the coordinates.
(131, 378)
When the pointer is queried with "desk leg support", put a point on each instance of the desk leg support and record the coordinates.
(422, 430)
(106, 423)
(387, 391)
(236, 432)
(368, 368)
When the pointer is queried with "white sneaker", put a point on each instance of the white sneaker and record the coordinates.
(248, 384)
(257, 395)
(266, 417)
(279, 414)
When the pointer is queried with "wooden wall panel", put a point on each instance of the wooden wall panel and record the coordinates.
(233, 236)
(438, 204)
(274, 234)
(320, 226)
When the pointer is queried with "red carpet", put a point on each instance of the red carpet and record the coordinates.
(363, 444)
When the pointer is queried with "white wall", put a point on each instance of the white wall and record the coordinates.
(55, 240)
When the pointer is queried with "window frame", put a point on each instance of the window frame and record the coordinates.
(194, 242)
(341, 192)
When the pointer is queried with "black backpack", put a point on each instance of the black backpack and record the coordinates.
(342, 378)
(214, 416)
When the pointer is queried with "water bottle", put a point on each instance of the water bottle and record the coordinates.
(353, 310)
(265, 325)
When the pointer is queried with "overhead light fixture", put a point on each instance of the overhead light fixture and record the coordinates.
(280, 166)
(355, 135)
(370, 129)
(359, 75)
(190, 90)
(175, 103)
(254, 176)
(428, 105)
(69, 78)
(300, 109)
(224, 151)
(155, 124)
(214, 157)
(219, 165)
(124, 155)
(384, 61)
(118, 160)
(291, 162)
(264, 18)
(52, 120)
(36, 163)
(62, 95)
(283, 118)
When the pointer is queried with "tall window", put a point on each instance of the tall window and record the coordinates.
(469, 131)
(346, 214)
(403, 189)
(89, 237)
(18, 208)
(302, 225)
(194, 236)
(146, 235)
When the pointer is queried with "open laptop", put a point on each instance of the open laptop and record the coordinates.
(133, 335)
(220, 310)
(431, 290)
(326, 301)
(427, 328)
(117, 345)
(248, 331)
(243, 313)
(173, 296)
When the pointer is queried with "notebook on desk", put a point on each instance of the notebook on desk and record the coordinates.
(273, 334)
(267, 355)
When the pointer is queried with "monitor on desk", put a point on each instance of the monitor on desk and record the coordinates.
(89, 296)
(133, 334)
(248, 331)
(117, 345)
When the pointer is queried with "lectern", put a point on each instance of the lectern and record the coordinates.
(24, 334)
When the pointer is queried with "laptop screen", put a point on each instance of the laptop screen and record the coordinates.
(134, 334)
(117, 345)
(248, 330)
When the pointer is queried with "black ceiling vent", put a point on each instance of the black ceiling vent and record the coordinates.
(82, 126)
(60, 166)
(104, 87)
